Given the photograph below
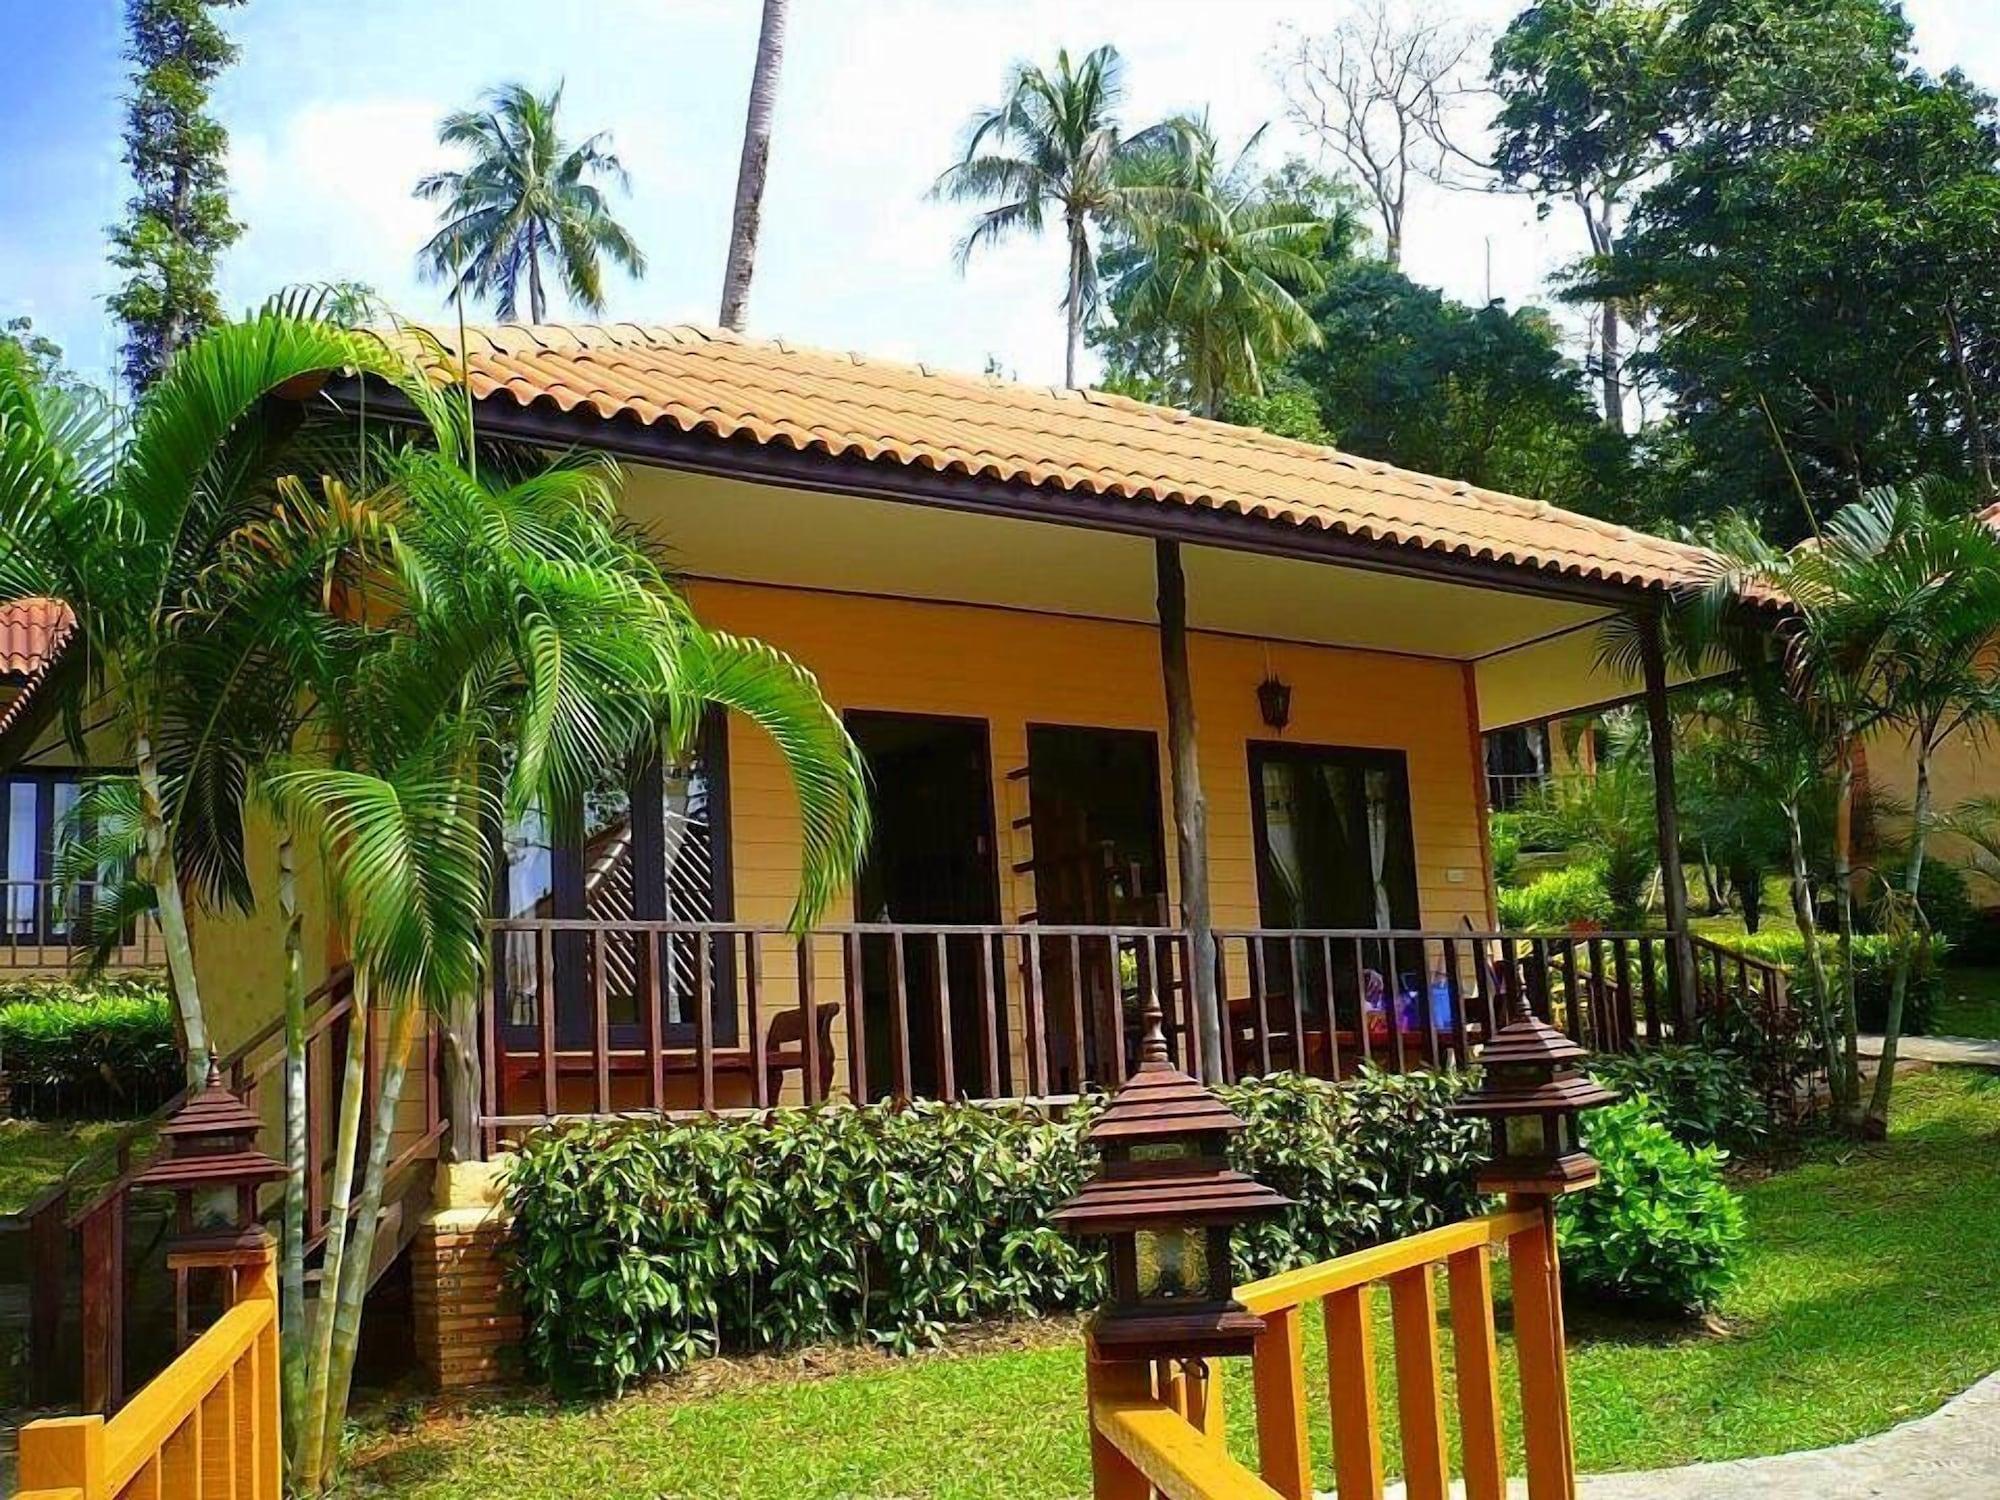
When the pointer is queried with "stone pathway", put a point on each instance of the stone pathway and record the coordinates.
(1953, 1454)
(1956, 1051)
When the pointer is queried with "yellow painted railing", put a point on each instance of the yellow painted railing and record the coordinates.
(1156, 1428)
(206, 1427)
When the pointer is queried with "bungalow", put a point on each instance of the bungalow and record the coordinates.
(1147, 700)
(1153, 706)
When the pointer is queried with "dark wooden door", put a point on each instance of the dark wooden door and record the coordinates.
(930, 864)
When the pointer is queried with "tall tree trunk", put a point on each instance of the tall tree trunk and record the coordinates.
(174, 935)
(462, 1078)
(1877, 1121)
(1847, 1083)
(359, 1261)
(1079, 268)
(292, 1236)
(537, 299)
(1968, 395)
(754, 165)
(1802, 913)
(1612, 372)
(310, 1461)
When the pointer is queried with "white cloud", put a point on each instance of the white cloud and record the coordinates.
(327, 196)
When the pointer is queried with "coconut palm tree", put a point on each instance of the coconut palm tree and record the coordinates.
(530, 205)
(124, 522)
(510, 621)
(1052, 145)
(746, 217)
(1213, 267)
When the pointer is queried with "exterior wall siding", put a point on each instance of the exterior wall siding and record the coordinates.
(1013, 669)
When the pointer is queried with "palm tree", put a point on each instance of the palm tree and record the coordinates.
(510, 621)
(124, 523)
(528, 204)
(744, 220)
(1896, 613)
(1214, 266)
(1052, 145)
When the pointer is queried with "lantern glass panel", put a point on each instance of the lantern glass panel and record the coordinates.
(1179, 1149)
(212, 1208)
(1525, 1136)
(1172, 1264)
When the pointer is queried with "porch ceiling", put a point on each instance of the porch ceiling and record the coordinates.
(764, 533)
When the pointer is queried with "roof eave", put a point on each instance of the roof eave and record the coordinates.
(544, 423)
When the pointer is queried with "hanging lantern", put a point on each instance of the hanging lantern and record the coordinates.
(1166, 1199)
(210, 1162)
(1532, 1088)
(1274, 702)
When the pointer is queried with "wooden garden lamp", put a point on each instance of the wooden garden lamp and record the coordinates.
(210, 1162)
(1531, 1090)
(1166, 1199)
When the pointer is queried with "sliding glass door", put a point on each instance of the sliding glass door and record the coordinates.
(1334, 850)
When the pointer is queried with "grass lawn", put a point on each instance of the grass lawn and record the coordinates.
(34, 1153)
(1971, 1004)
(1868, 1296)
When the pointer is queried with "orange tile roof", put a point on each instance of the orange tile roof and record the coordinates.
(701, 380)
(31, 632)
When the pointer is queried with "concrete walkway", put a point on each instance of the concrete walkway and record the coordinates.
(1953, 1454)
(1955, 1051)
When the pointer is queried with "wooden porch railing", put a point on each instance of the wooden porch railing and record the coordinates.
(1157, 1428)
(591, 1017)
(208, 1426)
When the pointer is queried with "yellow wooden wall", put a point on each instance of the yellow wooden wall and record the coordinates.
(1014, 669)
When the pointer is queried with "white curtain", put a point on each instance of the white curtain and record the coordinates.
(1378, 844)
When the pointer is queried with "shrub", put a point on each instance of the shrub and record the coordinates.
(1504, 839)
(640, 1246)
(1874, 973)
(1942, 894)
(1661, 1229)
(1560, 899)
(1705, 1097)
(75, 1051)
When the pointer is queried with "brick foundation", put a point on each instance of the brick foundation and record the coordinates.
(468, 1328)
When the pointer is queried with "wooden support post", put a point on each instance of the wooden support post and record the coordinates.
(65, 1453)
(1113, 1476)
(1190, 806)
(1350, 1374)
(1420, 1385)
(1476, 1361)
(48, 1246)
(1538, 1340)
(1278, 1370)
(1673, 883)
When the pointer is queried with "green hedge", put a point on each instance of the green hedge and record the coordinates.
(1874, 971)
(1558, 900)
(1661, 1228)
(640, 1246)
(1704, 1095)
(88, 1051)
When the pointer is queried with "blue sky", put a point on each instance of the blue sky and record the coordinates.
(333, 108)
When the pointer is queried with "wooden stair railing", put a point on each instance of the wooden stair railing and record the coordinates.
(1156, 1427)
(206, 1427)
(100, 1223)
